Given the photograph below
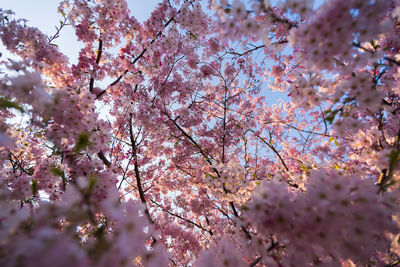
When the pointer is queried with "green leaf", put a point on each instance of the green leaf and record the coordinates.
(34, 187)
(336, 166)
(394, 158)
(331, 139)
(5, 103)
(83, 142)
(210, 175)
(374, 44)
(58, 172)
(331, 117)
(304, 168)
(336, 142)
(92, 182)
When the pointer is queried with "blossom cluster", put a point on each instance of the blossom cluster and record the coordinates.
(232, 183)
(161, 145)
(330, 33)
(335, 219)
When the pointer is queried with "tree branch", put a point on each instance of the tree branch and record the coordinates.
(182, 218)
(137, 173)
(99, 53)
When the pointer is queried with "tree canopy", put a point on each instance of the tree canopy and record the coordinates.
(215, 133)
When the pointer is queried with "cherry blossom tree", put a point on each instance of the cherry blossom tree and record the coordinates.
(166, 144)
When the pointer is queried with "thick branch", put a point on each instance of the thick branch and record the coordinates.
(103, 158)
(99, 53)
(137, 173)
(254, 263)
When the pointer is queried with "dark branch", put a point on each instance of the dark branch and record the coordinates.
(137, 173)
(99, 53)
(182, 218)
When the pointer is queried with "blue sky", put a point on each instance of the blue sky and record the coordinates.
(43, 14)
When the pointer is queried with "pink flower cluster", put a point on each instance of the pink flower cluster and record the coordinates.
(335, 219)
(162, 145)
(331, 31)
